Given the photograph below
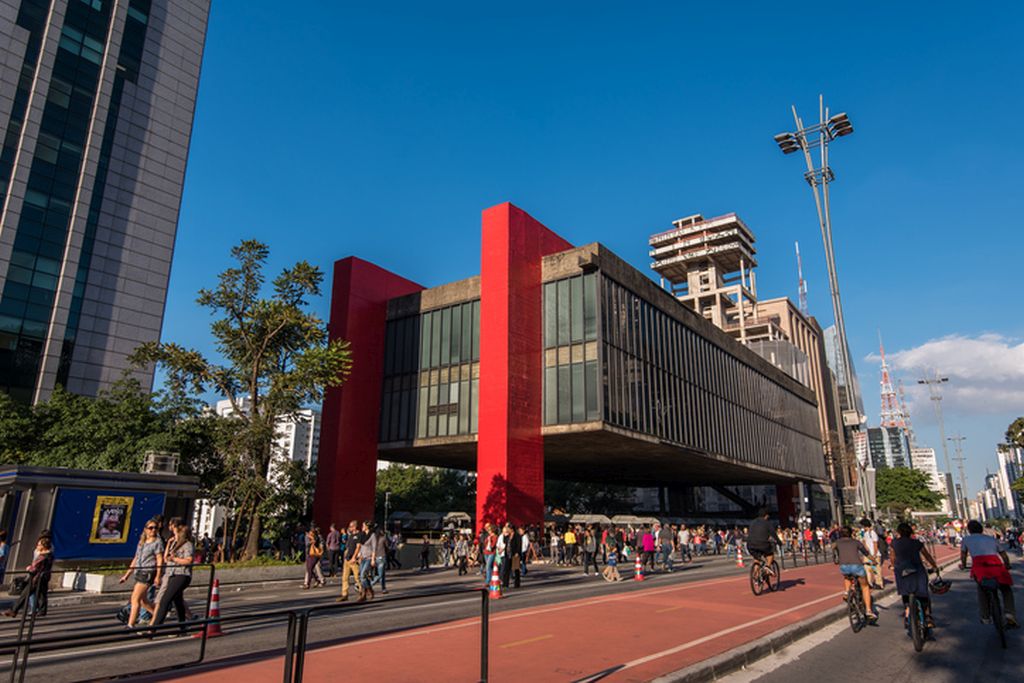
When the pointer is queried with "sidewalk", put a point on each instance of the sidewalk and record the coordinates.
(635, 636)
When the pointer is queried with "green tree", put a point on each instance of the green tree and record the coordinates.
(109, 432)
(275, 358)
(424, 489)
(899, 488)
(1015, 433)
(577, 497)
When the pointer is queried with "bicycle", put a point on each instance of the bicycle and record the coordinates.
(917, 623)
(762, 577)
(990, 587)
(856, 610)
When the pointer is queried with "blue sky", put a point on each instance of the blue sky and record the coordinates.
(383, 131)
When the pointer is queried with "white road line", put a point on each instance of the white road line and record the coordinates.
(473, 621)
(723, 632)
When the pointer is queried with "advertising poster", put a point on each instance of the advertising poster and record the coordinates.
(111, 519)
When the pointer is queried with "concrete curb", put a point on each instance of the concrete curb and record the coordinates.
(740, 657)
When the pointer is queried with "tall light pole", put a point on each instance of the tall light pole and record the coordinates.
(934, 384)
(807, 138)
(965, 512)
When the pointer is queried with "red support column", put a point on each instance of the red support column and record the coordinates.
(788, 510)
(347, 461)
(510, 448)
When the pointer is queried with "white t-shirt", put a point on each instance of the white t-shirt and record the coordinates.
(870, 541)
(684, 537)
(980, 544)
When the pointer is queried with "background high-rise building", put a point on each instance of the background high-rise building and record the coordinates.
(888, 447)
(96, 106)
(923, 458)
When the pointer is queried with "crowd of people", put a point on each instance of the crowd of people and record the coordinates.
(361, 555)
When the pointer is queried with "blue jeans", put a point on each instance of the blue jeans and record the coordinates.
(488, 567)
(364, 572)
(666, 550)
(380, 578)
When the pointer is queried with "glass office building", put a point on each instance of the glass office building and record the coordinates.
(96, 106)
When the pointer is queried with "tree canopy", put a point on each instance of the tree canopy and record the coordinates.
(425, 489)
(899, 488)
(275, 358)
(110, 432)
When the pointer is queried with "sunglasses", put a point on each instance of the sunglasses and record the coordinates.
(151, 527)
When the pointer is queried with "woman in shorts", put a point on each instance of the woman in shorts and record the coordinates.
(147, 567)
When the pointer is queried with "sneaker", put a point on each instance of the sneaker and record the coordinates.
(343, 598)
(1011, 622)
(986, 620)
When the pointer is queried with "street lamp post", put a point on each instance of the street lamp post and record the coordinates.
(806, 138)
(387, 506)
(958, 439)
(934, 385)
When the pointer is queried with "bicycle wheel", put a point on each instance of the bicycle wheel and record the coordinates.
(917, 625)
(775, 578)
(998, 619)
(855, 610)
(756, 581)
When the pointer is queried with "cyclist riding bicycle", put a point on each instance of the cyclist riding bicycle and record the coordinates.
(761, 539)
(849, 551)
(907, 563)
(989, 561)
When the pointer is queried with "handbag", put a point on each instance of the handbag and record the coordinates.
(18, 585)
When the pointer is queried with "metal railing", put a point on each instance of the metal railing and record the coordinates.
(296, 643)
(26, 642)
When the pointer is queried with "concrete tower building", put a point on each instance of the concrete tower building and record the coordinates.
(96, 106)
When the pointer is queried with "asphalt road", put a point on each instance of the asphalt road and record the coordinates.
(409, 606)
(964, 649)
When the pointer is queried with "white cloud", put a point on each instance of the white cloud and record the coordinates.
(986, 373)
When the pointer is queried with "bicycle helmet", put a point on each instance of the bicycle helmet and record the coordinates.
(940, 586)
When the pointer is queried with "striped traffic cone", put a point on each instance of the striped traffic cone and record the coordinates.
(638, 569)
(494, 590)
(739, 556)
(213, 629)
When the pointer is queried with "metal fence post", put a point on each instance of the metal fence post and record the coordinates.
(485, 618)
(300, 648)
(289, 649)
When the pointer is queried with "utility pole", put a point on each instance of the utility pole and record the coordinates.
(935, 390)
(960, 466)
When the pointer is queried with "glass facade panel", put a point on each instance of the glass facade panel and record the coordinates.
(428, 389)
(664, 380)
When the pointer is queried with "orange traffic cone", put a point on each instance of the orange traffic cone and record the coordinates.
(494, 590)
(638, 569)
(213, 629)
(739, 556)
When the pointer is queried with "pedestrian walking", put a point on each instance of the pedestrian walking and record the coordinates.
(425, 554)
(147, 570)
(508, 551)
(178, 558)
(368, 559)
(38, 578)
(589, 552)
(461, 554)
(350, 559)
(314, 551)
(381, 561)
(490, 550)
(333, 550)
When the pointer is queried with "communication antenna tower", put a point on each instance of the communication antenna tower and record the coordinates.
(891, 415)
(801, 283)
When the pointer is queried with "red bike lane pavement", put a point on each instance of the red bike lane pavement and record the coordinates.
(633, 636)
